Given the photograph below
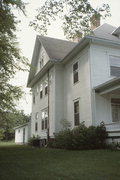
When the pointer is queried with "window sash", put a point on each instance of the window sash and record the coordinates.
(115, 65)
(41, 94)
(46, 90)
(115, 105)
(75, 72)
(36, 126)
(76, 113)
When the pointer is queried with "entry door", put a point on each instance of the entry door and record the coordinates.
(23, 135)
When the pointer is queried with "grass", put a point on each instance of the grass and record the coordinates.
(27, 163)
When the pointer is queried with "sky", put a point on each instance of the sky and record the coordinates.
(26, 38)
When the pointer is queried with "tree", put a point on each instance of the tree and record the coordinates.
(10, 62)
(10, 120)
(75, 14)
(10, 59)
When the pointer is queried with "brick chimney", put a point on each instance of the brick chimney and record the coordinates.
(95, 21)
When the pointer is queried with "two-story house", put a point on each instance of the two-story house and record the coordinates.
(76, 82)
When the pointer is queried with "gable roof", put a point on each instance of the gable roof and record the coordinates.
(102, 34)
(105, 31)
(63, 50)
(56, 48)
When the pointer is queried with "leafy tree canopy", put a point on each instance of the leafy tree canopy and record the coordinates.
(75, 14)
(10, 58)
(8, 121)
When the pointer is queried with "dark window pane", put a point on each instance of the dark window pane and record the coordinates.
(115, 105)
(76, 107)
(42, 124)
(75, 77)
(76, 113)
(76, 117)
(33, 98)
(41, 94)
(75, 72)
(75, 66)
(115, 71)
(36, 126)
(46, 90)
(46, 123)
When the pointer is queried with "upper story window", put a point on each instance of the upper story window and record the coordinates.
(44, 119)
(36, 115)
(41, 60)
(34, 98)
(36, 126)
(115, 65)
(115, 106)
(41, 91)
(75, 72)
(76, 113)
(46, 87)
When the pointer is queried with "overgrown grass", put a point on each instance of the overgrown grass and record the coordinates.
(27, 163)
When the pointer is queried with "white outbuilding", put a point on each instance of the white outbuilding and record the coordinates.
(22, 133)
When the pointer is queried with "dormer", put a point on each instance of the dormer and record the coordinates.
(116, 32)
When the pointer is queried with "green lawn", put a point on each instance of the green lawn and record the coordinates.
(27, 163)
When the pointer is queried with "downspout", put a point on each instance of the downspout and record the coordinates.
(48, 128)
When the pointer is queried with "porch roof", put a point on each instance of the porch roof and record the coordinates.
(111, 86)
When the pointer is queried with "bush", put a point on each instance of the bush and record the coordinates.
(34, 141)
(81, 137)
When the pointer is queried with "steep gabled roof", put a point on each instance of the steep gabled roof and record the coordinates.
(105, 31)
(62, 50)
(56, 48)
(102, 34)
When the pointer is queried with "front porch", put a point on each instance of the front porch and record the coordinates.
(108, 106)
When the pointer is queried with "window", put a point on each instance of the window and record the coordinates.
(41, 91)
(41, 60)
(36, 126)
(76, 113)
(34, 98)
(115, 106)
(44, 124)
(36, 115)
(75, 72)
(115, 65)
(46, 87)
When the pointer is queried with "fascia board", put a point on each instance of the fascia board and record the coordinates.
(41, 73)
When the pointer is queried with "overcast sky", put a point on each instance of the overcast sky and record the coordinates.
(26, 38)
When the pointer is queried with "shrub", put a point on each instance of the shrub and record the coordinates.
(34, 141)
(81, 137)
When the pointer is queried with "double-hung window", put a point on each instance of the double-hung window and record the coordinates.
(34, 98)
(46, 87)
(76, 113)
(75, 73)
(114, 65)
(41, 91)
(36, 126)
(44, 124)
(115, 106)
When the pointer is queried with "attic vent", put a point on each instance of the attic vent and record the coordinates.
(116, 32)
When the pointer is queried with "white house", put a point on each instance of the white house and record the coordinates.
(77, 82)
